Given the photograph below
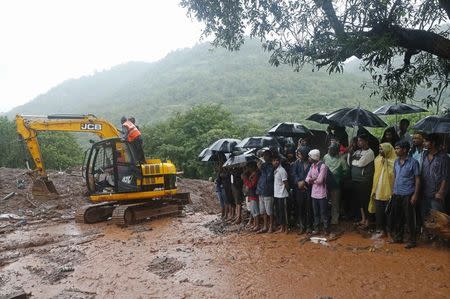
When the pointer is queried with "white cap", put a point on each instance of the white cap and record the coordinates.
(314, 154)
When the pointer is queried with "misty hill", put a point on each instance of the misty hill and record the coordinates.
(242, 81)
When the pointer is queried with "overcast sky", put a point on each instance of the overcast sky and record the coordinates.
(45, 42)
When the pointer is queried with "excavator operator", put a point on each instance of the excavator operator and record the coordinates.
(133, 136)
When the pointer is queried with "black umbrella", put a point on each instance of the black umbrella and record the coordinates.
(351, 117)
(225, 145)
(289, 129)
(241, 160)
(400, 108)
(433, 124)
(258, 142)
(320, 117)
(215, 157)
(203, 153)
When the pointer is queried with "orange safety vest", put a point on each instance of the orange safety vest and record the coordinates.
(133, 132)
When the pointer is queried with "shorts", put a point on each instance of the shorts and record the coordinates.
(238, 195)
(254, 207)
(266, 205)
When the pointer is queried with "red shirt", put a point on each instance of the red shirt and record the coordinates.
(251, 183)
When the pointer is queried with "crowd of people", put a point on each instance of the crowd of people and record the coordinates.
(383, 185)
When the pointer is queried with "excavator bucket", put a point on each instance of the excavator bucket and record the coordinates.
(43, 188)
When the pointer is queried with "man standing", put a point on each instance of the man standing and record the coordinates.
(133, 136)
(265, 192)
(417, 148)
(133, 120)
(337, 167)
(405, 195)
(280, 193)
(303, 204)
(403, 131)
(362, 170)
(434, 176)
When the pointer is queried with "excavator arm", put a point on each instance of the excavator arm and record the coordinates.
(28, 127)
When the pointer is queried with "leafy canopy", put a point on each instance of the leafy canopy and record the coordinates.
(184, 135)
(326, 33)
(59, 150)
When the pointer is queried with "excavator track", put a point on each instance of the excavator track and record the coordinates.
(124, 215)
(95, 213)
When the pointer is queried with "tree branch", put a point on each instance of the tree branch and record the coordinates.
(445, 4)
(408, 54)
(415, 39)
(328, 9)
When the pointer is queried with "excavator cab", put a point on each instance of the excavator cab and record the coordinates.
(111, 167)
(121, 187)
(125, 189)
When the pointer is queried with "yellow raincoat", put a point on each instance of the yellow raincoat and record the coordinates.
(383, 165)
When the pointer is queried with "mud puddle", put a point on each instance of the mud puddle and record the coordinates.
(183, 257)
(45, 254)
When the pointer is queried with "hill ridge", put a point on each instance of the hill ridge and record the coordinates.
(243, 82)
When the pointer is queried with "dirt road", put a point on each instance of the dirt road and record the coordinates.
(196, 256)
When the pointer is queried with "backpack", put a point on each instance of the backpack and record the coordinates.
(330, 181)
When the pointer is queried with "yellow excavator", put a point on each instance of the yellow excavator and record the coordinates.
(121, 187)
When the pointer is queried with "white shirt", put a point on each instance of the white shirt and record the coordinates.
(365, 157)
(279, 189)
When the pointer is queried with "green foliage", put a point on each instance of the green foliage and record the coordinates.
(326, 33)
(59, 150)
(182, 136)
(10, 151)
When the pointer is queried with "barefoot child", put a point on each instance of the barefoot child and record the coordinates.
(265, 192)
(250, 179)
(280, 193)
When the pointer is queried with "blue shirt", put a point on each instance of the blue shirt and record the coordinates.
(265, 182)
(405, 176)
(433, 173)
(418, 155)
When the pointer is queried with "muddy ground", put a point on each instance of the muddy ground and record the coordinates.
(44, 253)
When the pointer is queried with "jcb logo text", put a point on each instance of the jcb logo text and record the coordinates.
(94, 127)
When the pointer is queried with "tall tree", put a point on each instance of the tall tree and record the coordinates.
(326, 33)
(184, 135)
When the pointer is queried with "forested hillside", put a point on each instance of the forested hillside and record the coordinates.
(242, 81)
